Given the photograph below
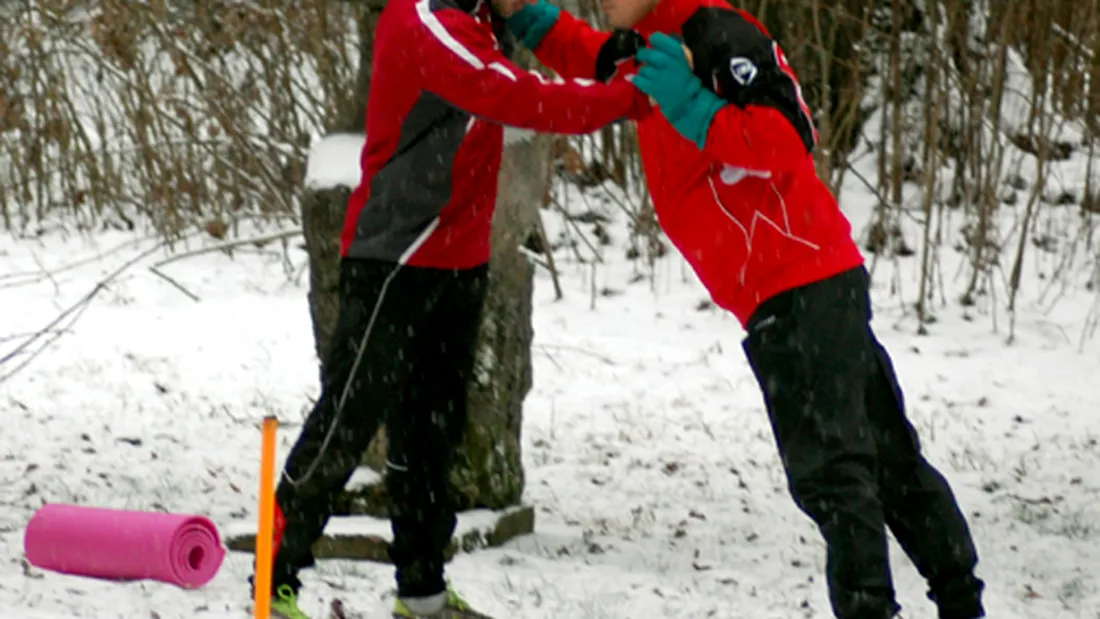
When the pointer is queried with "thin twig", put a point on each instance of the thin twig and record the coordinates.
(576, 227)
(540, 230)
(602, 358)
(174, 283)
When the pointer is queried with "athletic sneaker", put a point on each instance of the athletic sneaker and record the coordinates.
(446, 605)
(284, 604)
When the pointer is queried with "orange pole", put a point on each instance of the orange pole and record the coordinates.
(265, 536)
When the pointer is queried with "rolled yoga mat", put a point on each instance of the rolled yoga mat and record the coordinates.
(124, 545)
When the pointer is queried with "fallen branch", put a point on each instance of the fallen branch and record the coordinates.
(16, 336)
(25, 278)
(277, 236)
(71, 314)
(174, 283)
(257, 241)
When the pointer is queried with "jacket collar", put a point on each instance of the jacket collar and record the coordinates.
(668, 16)
(474, 7)
(468, 6)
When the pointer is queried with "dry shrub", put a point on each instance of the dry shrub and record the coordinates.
(169, 114)
(200, 114)
(964, 96)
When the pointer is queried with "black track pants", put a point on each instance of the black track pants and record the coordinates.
(853, 460)
(410, 372)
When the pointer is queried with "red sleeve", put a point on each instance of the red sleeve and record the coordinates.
(460, 62)
(756, 138)
(570, 48)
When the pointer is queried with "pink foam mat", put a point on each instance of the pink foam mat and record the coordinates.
(182, 550)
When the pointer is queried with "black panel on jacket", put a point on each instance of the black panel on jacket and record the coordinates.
(740, 63)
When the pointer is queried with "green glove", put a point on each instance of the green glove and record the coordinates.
(666, 76)
(531, 23)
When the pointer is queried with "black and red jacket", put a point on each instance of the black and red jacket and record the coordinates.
(748, 212)
(441, 89)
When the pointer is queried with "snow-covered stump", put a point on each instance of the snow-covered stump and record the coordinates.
(488, 471)
(331, 173)
(367, 538)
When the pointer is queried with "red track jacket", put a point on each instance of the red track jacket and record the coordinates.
(748, 212)
(441, 90)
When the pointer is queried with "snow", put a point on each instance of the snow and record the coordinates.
(363, 478)
(648, 455)
(473, 521)
(334, 161)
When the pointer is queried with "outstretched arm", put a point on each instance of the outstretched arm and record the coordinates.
(462, 64)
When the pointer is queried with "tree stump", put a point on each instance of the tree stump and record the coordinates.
(367, 539)
(488, 468)
(323, 213)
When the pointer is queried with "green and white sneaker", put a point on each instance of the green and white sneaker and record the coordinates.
(284, 604)
(446, 605)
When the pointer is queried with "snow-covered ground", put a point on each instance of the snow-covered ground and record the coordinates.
(648, 453)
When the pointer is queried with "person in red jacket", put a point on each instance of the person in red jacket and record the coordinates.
(730, 168)
(413, 275)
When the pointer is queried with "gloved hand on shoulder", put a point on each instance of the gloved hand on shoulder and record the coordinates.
(666, 76)
(531, 23)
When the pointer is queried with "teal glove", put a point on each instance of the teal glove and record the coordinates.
(666, 76)
(532, 22)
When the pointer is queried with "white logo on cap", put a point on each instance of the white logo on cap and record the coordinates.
(743, 70)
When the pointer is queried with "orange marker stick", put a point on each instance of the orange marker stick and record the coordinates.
(265, 536)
